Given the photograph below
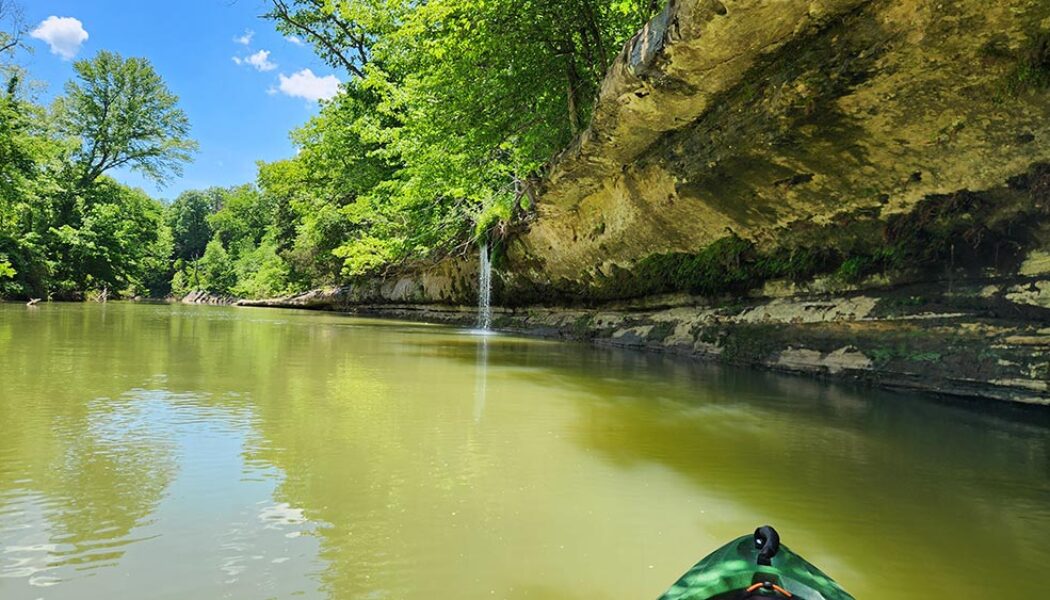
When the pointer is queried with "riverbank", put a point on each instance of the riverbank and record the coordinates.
(856, 191)
(983, 339)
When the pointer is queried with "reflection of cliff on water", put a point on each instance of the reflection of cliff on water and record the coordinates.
(830, 465)
(853, 476)
(271, 451)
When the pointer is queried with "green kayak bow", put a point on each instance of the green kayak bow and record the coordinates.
(755, 567)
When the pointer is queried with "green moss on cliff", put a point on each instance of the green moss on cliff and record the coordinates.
(1032, 71)
(965, 232)
(728, 265)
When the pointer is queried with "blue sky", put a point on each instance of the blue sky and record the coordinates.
(241, 110)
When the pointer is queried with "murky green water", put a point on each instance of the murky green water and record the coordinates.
(207, 452)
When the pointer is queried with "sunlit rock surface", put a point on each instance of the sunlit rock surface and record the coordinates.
(779, 121)
(845, 188)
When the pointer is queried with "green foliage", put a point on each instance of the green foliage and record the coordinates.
(729, 264)
(224, 241)
(452, 108)
(156, 266)
(721, 266)
(262, 273)
(903, 352)
(62, 234)
(243, 217)
(111, 244)
(217, 272)
(124, 115)
(183, 280)
(188, 219)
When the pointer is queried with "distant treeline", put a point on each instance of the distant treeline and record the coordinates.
(450, 111)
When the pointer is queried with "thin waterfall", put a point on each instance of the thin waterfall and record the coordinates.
(484, 288)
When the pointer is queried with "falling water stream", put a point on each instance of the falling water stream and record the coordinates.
(484, 288)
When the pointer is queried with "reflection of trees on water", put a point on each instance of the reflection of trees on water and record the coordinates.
(363, 438)
(72, 435)
(828, 463)
(404, 442)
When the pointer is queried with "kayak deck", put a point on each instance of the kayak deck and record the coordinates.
(755, 566)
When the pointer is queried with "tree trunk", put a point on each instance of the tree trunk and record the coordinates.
(572, 80)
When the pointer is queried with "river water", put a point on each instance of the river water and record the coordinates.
(156, 451)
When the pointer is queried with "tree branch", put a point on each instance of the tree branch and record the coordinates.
(282, 13)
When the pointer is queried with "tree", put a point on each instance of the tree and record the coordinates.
(243, 219)
(124, 115)
(217, 272)
(452, 109)
(341, 32)
(110, 244)
(12, 21)
(18, 155)
(188, 219)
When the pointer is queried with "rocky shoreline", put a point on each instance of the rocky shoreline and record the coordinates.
(985, 339)
(844, 189)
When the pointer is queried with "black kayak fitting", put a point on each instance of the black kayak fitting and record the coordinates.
(767, 540)
(755, 567)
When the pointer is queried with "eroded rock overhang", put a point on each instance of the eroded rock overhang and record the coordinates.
(761, 118)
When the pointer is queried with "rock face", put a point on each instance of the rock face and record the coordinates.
(850, 188)
(203, 297)
(798, 125)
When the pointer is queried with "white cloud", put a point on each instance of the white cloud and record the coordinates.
(261, 61)
(295, 40)
(63, 34)
(246, 38)
(304, 84)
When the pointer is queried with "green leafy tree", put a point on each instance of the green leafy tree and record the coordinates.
(263, 273)
(243, 219)
(451, 111)
(157, 268)
(111, 245)
(124, 115)
(341, 32)
(217, 272)
(66, 229)
(188, 219)
(30, 158)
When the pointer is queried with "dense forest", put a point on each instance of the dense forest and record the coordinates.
(450, 111)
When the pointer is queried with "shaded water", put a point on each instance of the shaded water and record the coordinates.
(206, 452)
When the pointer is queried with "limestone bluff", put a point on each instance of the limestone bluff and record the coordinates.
(848, 188)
